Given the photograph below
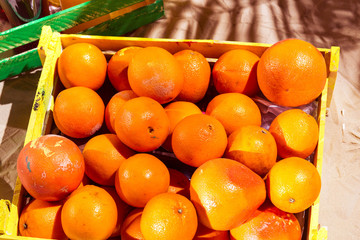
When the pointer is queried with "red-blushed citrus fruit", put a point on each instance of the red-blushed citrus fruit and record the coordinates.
(179, 183)
(225, 193)
(291, 73)
(114, 105)
(118, 67)
(196, 75)
(154, 72)
(234, 110)
(142, 124)
(78, 112)
(50, 167)
(176, 111)
(169, 216)
(198, 138)
(89, 213)
(141, 177)
(41, 219)
(130, 229)
(235, 71)
(296, 133)
(82, 64)
(103, 155)
(254, 147)
(293, 184)
(268, 223)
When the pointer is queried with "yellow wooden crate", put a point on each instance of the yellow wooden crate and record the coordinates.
(50, 47)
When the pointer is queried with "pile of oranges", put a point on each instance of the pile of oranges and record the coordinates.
(178, 151)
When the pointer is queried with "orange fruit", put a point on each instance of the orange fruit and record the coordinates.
(154, 72)
(204, 233)
(234, 110)
(89, 213)
(225, 193)
(85, 181)
(82, 64)
(169, 216)
(142, 124)
(103, 155)
(78, 112)
(179, 183)
(198, 138)
(122, 209)
(130, 229)
(176, 111)
(293, 184)
(141, 177)
(268, 223)
(235, 71)
(291, 73)
(118, 67)
(113, 106)
(197, 73)
(254, 147)
(41, 219)
(296, 133)
(50, 167)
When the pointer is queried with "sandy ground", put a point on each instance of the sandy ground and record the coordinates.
(323, 23)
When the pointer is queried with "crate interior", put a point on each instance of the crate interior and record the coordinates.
(210, 49)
